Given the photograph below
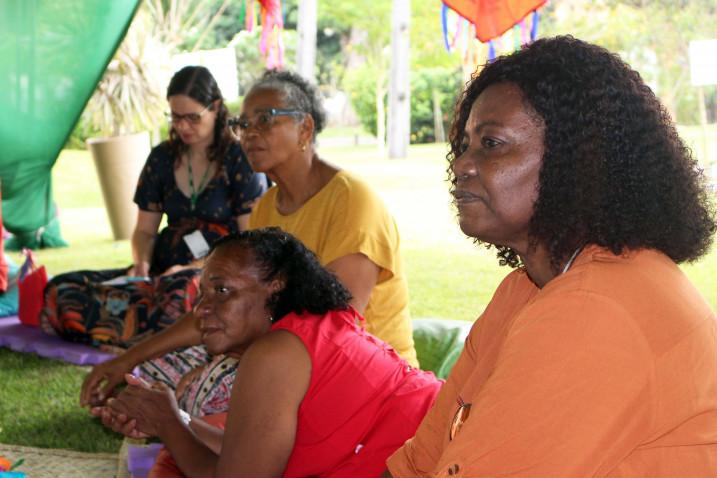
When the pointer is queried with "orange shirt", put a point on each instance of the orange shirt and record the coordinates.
(609, 371)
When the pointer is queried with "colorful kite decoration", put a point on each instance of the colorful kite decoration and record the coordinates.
(483, 28)
(272, 25)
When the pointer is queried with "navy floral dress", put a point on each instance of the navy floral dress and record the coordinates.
(227, 195)
(80, 307)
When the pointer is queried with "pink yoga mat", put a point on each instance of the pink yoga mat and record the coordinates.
(21, 338)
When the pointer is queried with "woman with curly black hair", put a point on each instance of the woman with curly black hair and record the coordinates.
(597, 356)
(314, 394)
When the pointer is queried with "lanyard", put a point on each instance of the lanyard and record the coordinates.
(195, 192)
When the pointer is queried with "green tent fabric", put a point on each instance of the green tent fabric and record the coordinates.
(439, 342)
(10, 298)
(54, 53)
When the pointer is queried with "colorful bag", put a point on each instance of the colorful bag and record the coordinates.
(93, 307)
(31, 284)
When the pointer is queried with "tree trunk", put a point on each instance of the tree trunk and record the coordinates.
(399, 95)
(380, 115)
(439, 133)
(306, 49)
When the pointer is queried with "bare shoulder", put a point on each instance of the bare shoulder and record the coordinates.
(280, 350)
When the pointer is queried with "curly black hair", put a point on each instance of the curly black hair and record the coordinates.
(279, 255)
(615, 172)
(297, 93)
(198, 83)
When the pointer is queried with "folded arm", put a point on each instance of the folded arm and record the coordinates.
(272, 379)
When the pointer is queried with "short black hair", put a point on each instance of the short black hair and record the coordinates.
(307, 285)
(615, 173)
(297, 93)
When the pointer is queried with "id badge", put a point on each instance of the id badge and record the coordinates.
(197, 244)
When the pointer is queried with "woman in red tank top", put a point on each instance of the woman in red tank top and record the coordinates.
(315, 395)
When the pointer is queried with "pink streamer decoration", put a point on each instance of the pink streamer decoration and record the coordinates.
(249, 19)
(271, 44)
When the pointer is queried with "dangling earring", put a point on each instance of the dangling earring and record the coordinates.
(303, 147)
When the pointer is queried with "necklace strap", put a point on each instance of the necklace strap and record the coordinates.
(194, 193)
(572, 258)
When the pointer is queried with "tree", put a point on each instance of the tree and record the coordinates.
(429, 55)
(364, 30)
(652, 35)
(427, 49)
(369, 33)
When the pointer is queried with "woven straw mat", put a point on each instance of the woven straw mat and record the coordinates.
(53, 463)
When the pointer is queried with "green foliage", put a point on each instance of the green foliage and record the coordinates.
(446, 84)
(373, 18)
(39, 406)
(330, 39)
(234, 106)
(427, 49)
(129, 97)
(78, 138)
(361, 88)
(222, 30)
(363, 31)
(653, 36)
(250, 64)
(330, 58)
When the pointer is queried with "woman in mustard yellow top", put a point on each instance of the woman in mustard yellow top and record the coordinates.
(334, 214)
(597, 357)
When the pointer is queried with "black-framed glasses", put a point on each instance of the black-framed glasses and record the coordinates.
(462, 413)
(192, 118)
(262, 120)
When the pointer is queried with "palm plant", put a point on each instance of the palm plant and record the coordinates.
(130, 96)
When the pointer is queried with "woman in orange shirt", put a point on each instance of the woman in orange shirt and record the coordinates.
(596, 357)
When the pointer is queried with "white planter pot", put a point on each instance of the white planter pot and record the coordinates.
(118, 161)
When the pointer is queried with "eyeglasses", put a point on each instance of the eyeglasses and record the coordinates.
(262, 121)
(192, 118)
(464, 410)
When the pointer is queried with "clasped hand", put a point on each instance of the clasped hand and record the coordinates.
(140, 410)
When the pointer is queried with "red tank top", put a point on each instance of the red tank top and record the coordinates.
(363, 400)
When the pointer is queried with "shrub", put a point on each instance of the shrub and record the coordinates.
(360, 84)
(447, 83)
(83, 129)
(250, 64)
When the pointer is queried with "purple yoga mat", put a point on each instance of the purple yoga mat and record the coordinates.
(21, 338)
(140, 458)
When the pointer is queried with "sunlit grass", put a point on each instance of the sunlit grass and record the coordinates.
(39, 406)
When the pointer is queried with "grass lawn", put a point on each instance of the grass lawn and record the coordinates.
(449, 277)
(39, 406)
